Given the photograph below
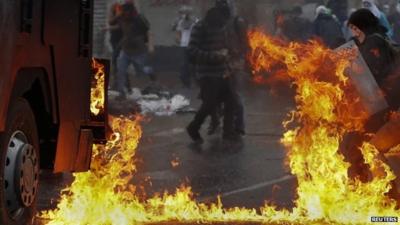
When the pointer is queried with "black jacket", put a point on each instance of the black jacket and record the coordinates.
(329, 30)
(135, 33)
(382, 59)
(206, 41)
(379, 56)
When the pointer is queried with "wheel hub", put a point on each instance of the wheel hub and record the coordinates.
(28, 173)
(20, 174)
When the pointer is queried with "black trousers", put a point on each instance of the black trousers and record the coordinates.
(238, 112)
(214, 91)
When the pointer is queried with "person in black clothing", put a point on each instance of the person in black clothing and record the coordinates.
(115, 31)
(374, 45)
(134, 46)
(381, 58)
(339, 8)
(115, 38)
(327, 27)
(209, 50)
(237, 44)
(296, 28)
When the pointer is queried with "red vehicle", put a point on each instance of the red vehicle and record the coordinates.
(45, 86)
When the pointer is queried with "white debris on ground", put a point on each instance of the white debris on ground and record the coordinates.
(157, 104)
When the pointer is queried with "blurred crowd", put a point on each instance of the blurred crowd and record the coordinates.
(330, 22)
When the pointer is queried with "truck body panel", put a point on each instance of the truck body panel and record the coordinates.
(52, 36)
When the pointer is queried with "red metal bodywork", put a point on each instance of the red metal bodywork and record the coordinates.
(53, 37)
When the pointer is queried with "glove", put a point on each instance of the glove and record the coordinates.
(223, 52)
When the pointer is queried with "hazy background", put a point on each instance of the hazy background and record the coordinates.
(161, 14)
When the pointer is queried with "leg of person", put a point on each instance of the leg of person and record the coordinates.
(185, 76)
(239, 115)
(115, 54)
(128, 85)
(142, 67)
(128, 81)
(209, 89)
(228, 99)
(122, 65)
(215, 119)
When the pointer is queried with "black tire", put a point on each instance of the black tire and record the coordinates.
(20, 119)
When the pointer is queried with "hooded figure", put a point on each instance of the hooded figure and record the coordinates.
(228, 6)
(237, 43)
(327, 27)
(210, 50)
(371, 6)
(374, 46)
(380, 56)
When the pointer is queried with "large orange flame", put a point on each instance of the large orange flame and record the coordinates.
(97, 94)
(327, 108)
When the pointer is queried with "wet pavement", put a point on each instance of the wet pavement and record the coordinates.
(245, 174)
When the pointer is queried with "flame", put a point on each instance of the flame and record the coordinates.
(175, 162)
(97, 95)
(327, 108)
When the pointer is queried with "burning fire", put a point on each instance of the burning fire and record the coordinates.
(175, 162)
(327, 109)
(97, 95)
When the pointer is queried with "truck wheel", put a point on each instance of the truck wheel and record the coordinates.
(19, 165)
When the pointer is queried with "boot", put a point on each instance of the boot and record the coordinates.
(194, 134)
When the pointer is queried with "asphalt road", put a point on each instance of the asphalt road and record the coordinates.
(245, 174)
